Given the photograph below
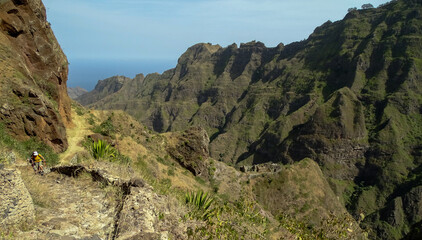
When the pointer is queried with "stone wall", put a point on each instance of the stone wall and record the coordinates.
(16, 207)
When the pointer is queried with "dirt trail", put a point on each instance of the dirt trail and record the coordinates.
(75, 135)
(85, 206)
(69, 208)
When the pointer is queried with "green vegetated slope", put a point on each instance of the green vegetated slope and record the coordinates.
(348, 97)
(289, 202)
(144, 186)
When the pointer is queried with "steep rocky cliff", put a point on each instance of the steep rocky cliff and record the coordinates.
(34, 100)
(348, 97)
(103, 89)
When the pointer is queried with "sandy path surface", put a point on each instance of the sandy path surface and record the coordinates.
(75, 135)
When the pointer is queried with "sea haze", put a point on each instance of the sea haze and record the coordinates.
(85, 73)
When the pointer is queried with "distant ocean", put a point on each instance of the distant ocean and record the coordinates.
(86, 73)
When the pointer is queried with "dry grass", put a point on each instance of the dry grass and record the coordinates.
(150, 162)
(131, 148)
(38, 187)
(130, 145)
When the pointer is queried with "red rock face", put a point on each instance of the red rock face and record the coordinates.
(34, 100)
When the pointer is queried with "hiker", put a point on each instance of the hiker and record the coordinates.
(37, 161)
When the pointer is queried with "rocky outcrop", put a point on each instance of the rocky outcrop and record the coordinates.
(103, 89)
(335, 137)
(76, 92)
(190, 149)
(16, 207)
(262, 168)
(413, 204)
(146, 215)
(400, 213)
(301, 191)
(138, 212)
(34, 100)
(393, 213)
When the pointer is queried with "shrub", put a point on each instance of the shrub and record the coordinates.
(106, 128)
(102, 150)
(201, 204)
(91, 121)
(241, 220)
(332, 227)
(79, 112)
(170, 171)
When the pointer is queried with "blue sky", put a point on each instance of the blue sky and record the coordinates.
(164, 29)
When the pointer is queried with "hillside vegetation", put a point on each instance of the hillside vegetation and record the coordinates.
(150, 186)
(318, 139)
(348, 97)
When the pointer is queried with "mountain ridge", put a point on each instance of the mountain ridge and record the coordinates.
(136, 184)
(348, 97)
(76, 92)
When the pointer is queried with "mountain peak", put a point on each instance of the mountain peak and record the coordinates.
(348, 97)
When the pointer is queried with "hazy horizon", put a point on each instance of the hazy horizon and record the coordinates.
(85, 73)
(161, 30)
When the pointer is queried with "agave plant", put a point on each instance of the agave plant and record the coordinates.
(101, 150)
(201, 203)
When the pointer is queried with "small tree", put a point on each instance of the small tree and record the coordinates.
(367, 6)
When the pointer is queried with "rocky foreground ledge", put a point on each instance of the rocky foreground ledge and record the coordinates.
(16, 207)
(79, 202)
